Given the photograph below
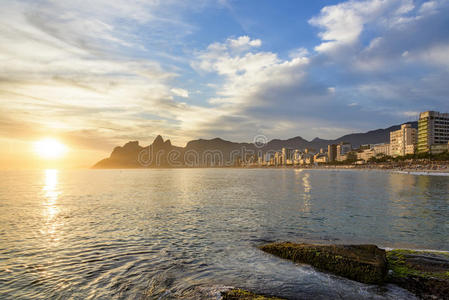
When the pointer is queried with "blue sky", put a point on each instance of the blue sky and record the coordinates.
(100, 73)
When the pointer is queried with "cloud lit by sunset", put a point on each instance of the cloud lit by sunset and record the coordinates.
(101, 73)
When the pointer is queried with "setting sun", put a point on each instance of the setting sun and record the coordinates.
(49, 148)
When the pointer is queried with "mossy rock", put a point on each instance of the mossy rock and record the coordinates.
(422, 272)
(364, 263)
(239, 294)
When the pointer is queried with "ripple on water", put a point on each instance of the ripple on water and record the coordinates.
(189, 234)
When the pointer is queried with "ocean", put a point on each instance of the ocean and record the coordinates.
(191, 233)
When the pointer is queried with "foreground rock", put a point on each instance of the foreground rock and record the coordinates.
(238, 294)
(364, 263)
(424, 273)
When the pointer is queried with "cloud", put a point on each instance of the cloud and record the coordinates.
(100, 69)
(342, 24)
(375, 35)
(180, 92)
(377, 62)
(243, 43)
(263, 93)
(72, 68)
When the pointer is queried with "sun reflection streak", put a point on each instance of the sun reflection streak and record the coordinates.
(51, 194)
(306, 182)
(307, 197)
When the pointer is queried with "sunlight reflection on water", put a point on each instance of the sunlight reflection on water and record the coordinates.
(51, 194)
(146, 234)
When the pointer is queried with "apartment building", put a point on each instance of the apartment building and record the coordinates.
(342, 150)
(433, 131)
(383, 148)
(403, 141)
(332, 152)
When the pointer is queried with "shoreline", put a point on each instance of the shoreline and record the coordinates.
(442, 170)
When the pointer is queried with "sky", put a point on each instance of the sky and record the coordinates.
(96, 74)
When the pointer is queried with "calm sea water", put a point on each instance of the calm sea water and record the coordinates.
(187, 233)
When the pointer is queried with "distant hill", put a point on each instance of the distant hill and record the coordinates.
(219, 152)
(356, 139)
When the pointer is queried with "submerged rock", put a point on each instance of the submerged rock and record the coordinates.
(239, 294)
(364, 263)
(424, 273)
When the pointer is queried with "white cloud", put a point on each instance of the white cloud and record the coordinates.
(398, 34)
(436, 55)
(343, 23)
(180, 92)
(263, 93)
(244, 42)
(69, 70)
(299, 53)
(247, 72)
(428, 7)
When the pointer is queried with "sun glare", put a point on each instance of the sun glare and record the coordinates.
(50, 148)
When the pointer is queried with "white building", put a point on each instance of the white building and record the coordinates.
(403, 141)
(381, 149)
(342, 150)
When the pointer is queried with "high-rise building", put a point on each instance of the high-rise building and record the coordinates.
(287, 155)
(332, 152)
(343, 149)
(403, 141)
(433, 130)
(278, 158)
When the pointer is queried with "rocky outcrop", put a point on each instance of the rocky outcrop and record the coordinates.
(132, 155)
(425, 274)
(364, 263)
(239, 294)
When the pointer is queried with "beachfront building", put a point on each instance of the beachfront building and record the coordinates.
(381, 149)
(287, 156)
(365, 154)
(306, 158)
(342, 150)
(278, 159)
(403, 141)
(368, 151)
(439, 148)
(320, 158)
(332, 152)
(433, 131)
(296, 157)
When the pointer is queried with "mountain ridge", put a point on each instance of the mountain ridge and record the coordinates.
(163, 154)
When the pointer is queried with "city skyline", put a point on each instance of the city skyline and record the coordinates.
(95, 74)
(388, 145)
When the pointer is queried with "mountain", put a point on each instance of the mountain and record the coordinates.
(132, 155)
(219, 152)
(356, 139)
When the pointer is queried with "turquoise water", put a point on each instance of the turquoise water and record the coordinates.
(188, 233)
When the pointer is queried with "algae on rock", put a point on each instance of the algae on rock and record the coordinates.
(422, 272)
(239, 294)
(364, 263)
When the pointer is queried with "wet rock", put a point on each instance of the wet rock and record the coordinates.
(239, 294)
(364, 263)
(425, 274)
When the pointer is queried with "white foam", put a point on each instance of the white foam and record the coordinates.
(417, 250)
(423, 173)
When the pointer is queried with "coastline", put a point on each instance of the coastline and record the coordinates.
(418, 169)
